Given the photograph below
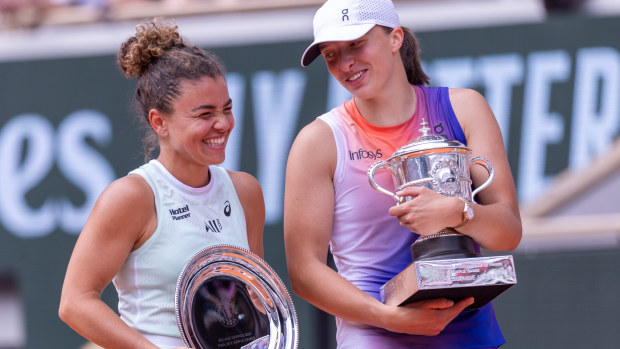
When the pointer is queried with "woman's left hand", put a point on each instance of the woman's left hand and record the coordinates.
(428, 211)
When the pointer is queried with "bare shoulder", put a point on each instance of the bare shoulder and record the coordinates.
(463, 93)
(124, 215)
(314, 146)
(129, 191)
(244, 182)
(128, 202)
(250, 195)
(315, 132)
(472, 111)
(466, 99)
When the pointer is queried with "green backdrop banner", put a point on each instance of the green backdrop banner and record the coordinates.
(67, 130)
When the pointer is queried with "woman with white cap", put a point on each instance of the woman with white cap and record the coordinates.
(329, 203)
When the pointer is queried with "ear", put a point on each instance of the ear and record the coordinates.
(397, 35)
(158, 122)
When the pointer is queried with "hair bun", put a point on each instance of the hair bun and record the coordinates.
(152, 40)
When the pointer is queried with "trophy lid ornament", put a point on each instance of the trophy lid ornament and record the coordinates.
(430, 142)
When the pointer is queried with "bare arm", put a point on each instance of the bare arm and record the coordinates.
(308, 215)
(496, 224)
(122, 218)
(251, 197)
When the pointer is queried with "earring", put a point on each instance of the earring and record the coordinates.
(162, 132)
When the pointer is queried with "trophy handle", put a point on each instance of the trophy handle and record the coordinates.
(486, 164)
(371, 178)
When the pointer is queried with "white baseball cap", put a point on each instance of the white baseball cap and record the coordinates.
(345, 20)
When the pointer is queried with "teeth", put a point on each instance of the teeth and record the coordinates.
(215, 141)
(355, 77)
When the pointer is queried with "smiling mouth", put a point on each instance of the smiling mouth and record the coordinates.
(355, 77)
(215, 141)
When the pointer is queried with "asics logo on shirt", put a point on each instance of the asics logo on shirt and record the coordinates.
(365, 154)
(227, 209)
(179, 213)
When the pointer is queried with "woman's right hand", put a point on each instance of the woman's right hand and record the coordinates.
(427, 317)
(427, 212)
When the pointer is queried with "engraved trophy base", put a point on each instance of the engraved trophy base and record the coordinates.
(447, 266)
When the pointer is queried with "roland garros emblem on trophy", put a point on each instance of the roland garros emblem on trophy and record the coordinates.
(445, 264)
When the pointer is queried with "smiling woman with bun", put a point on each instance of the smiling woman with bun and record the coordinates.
(147, 225)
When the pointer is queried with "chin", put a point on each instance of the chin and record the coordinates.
(218, 161)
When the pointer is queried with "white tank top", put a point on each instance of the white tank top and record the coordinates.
(188, 220)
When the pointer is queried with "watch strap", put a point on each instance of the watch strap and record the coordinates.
(463, 214)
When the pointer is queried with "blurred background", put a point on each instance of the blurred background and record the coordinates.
(549, 69)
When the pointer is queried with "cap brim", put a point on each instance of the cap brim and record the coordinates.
(311, 53)
(343, 33)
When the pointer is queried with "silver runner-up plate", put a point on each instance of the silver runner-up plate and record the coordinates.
(229, 298)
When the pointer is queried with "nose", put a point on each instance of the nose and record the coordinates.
(224, 123)
(346, 60)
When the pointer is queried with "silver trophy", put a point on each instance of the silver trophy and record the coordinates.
(445, 264)
(228, 297)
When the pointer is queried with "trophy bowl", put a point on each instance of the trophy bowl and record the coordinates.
(446, 263)
(434, 162)
(228, 297)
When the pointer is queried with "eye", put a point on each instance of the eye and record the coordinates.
(356, 43)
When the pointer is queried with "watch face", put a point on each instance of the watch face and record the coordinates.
(470, 212)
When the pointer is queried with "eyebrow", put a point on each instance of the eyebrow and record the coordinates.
(209, 106)
(363, 37)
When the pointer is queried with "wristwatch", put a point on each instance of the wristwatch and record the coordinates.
(468, 213)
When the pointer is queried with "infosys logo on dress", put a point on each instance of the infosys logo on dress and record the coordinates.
(365, 154)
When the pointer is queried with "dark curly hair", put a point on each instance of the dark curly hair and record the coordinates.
(161, 60)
